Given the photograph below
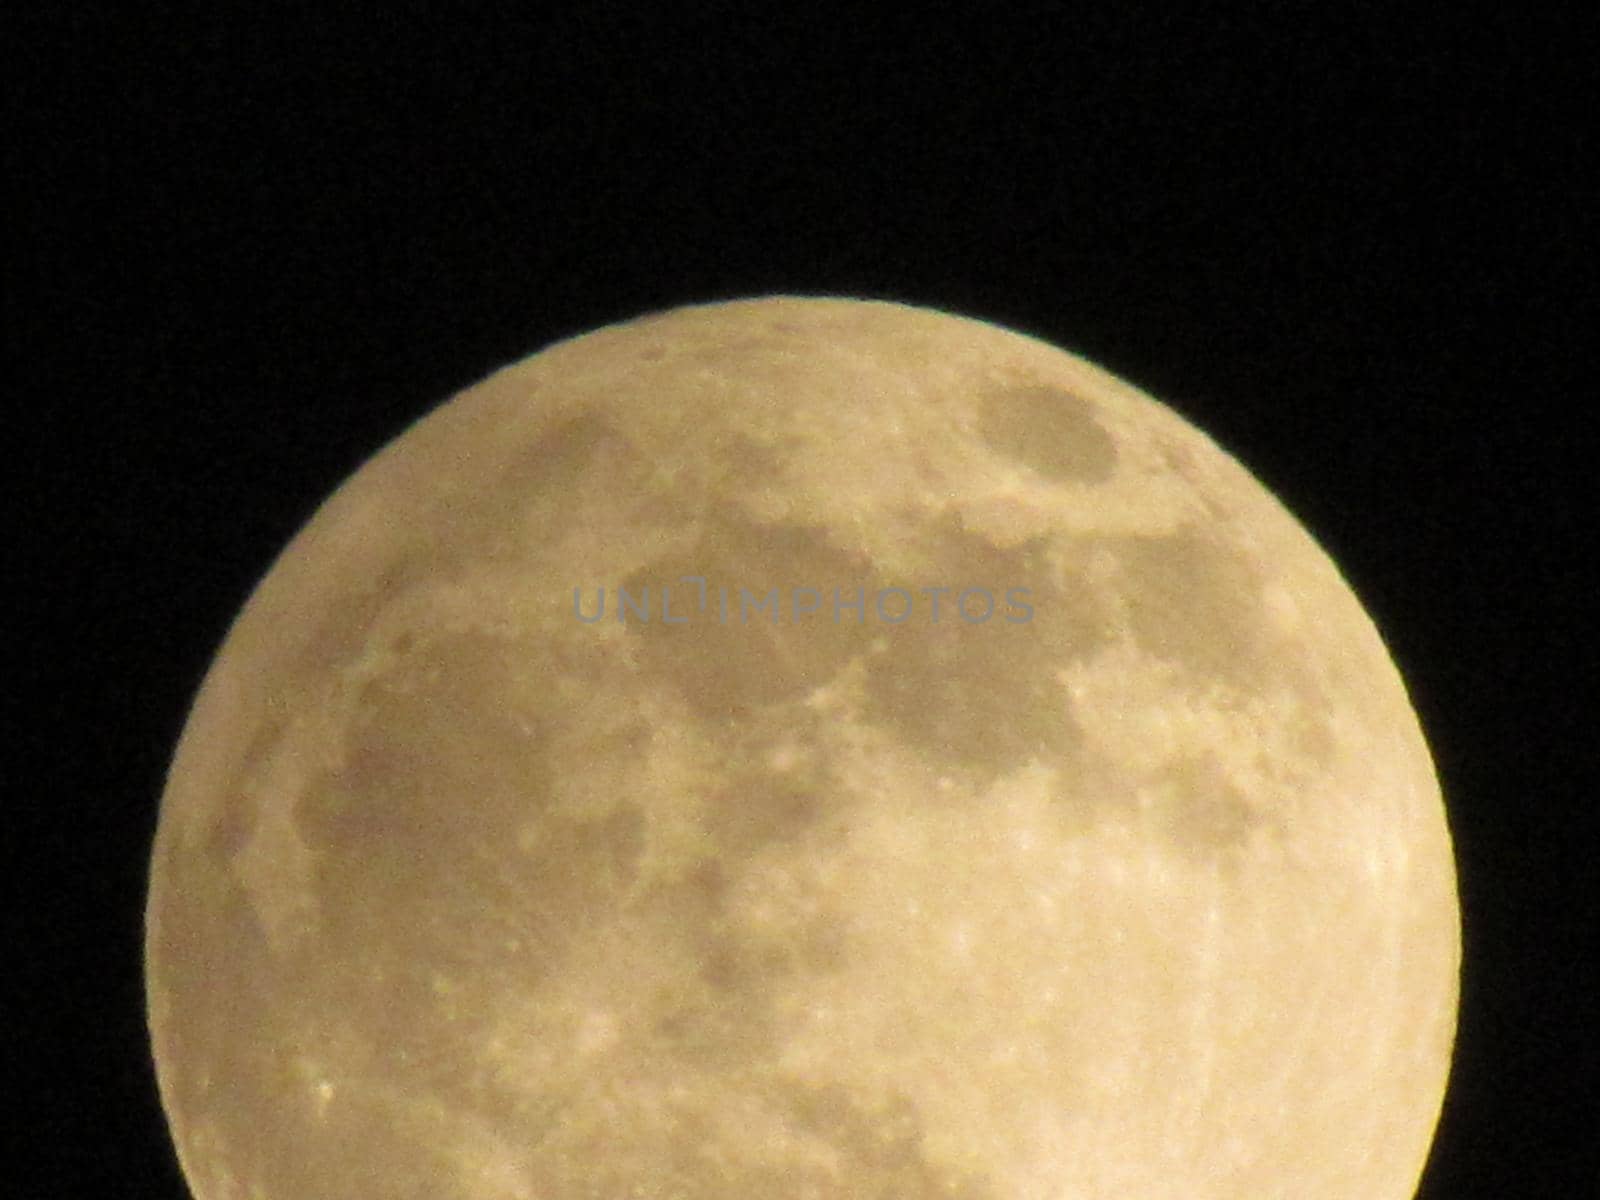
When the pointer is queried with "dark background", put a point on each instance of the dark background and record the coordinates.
(251, 248)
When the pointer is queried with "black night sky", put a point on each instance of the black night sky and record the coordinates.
(249, 247)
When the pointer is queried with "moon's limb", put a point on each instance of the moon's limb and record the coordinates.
(456, 896)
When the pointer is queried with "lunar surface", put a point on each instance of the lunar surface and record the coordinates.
(797, 749)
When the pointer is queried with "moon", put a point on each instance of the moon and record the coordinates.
(799, 748)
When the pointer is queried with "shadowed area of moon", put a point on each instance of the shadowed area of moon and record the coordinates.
(1132, 880)
(1053, 432)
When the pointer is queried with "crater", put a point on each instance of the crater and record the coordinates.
(740, 643)
(235, 819)
(756, 812)
(883, 1143)
(582, 485)
(749, 962)
(763, 925)
(435, 754)
(749, 467)
(475, 522)
(788, 1142)
(348, 617)
(310, 1152)
(984, 697)
(1196, 602)
(556, 461)
(712, 1032)
(415, 836)
(781, 788)
(218, 992)
(1051, 431)
(571, 870)
(1188, 804)
(981, 698)
(1200, 809)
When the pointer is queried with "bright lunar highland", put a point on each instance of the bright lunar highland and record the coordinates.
(798, 749)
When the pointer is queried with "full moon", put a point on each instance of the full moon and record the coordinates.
(796, 749)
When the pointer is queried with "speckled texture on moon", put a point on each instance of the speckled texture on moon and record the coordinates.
(457, 897)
